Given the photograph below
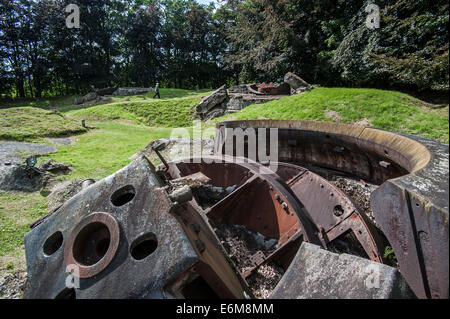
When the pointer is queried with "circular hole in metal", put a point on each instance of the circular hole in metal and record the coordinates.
(338, 210)
(53, 243)
(123, 195)
(143, 246)
(91, 244)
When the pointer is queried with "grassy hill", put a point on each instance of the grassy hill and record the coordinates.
(388, 110)
(28, 123)
(176, 108)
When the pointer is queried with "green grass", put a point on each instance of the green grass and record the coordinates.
(28, 120)
(176, 108)
(17, 212)
(388, 110)
(176, 112)
(106, 149)
(28, 123)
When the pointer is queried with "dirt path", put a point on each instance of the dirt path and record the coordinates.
(10, 152)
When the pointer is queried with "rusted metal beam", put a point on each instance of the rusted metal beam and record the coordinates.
(411, 204)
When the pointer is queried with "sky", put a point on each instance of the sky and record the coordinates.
(208, 1)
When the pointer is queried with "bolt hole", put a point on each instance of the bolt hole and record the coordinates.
(386, 152)
(91, 244)
(53, 243)
(338, 210)
(417, 204)
(143, 246)
(123, 195)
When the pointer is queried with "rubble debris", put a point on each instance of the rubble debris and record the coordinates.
(62, 192)
(238, 101)
(282, 89)
(181, 195)
(243, 88)
(104, 91)
(20, 178)
(264, 279)
(91, 96)
(213, 113)
(103, 95)
(193, 180)
(18, 171)
(207, 195)
(301, 90)
(12, 285)
(242, 243)
(126, 91)
(333, 115)
(55, 168)
(316, 273)
(363, 122)
(238, 97)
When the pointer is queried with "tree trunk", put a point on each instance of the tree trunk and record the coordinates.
(20, 88)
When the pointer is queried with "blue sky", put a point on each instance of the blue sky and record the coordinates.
(207, 1)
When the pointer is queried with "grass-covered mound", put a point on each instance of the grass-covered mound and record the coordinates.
(176, 108)
(388, 110)
(27, 123)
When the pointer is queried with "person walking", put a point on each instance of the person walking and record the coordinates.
(157, 91)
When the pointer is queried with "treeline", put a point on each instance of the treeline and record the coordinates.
(183, 44)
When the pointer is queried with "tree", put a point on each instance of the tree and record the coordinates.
(409, 50)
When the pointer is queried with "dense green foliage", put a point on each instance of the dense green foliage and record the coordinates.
(382, 109)
(184, 44)
(329, 42)
(410, 49)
